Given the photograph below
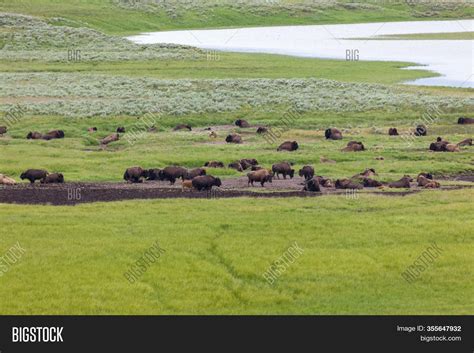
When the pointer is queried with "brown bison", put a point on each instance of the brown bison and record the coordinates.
(255, 167)
(34, 174)
(172, 173)
(262, 130)
(214, 164)
(326, 182)
(284, 169)
(4, 180)
(288, 146)
(312, 184)
(420, 130)
(34, 135)
(242, 123)
(186, 184)
(120, 130)
(393, 131)
(3, 130)
(365, 174)
(247, 163)
(333, 134)
(109, 139)
(402, 183)
(262, 176)
(192, 173)
(55, 134)
(354, 146)
(53, 178)
(347, 184)
(306, 172)
(233, 138)
(371, 183)
(464, 120)
(466, 142)
(182, 127)
(426, 175)
(236, 165)
(206, 182)
(135, 175)
(427, 183)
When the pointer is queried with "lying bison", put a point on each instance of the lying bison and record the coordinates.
(205, 182)
(172, 173)
(426, 182)
(306, 172)
(92, 129)
(34, 135)
(135, 175)
(233, 138)
(284, 169)
(247, 163)
(34, 174)
(182, 127)
(402, 183)
(347, 184)
(55, 134)
(326, 182)
(371, 183)
(420, 130)
(255, 167)
(464, 120)
(426, 175)
(109, 139)
(3, 130)
(4, 180)
(466, 142)
(214, 164)
(365, 174)
(262, 130)
(393, 131)
(333, 134)
(53, 178)
(312, 184)
(288, 146)
(242, 123)
(192, 173)
(120, 130)
(236, 165)
(262, 176)
(354, 146)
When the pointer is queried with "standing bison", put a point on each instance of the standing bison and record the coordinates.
(192, 173)
(393, 131)
(262, 176)
(205, 182)
(54, 178)
(284, 169)
(306, 172)
(172, 173)
(135, 175)
(34, 174)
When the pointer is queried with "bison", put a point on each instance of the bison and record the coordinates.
(402, 183)
(307, 172)
(214, 164)
(288, 146)
(466, 142)
(182, 127)
(247, 163)
(120, 130)
(186, 184)
(347, 184)
(153, 174)
(327, 183)
(236, 165)
(4, 180)
(192, 173)
(420, 130)
(426, 175)
(354, 146)
(92, 129)
(172, 173)
(233, 138)
(255, 167)
(34, 174)
(371, 183)
(284, 169)
(3, 130)
(393, 131)
(262, 130)
(109, 139)
(427, 183)
(312, 184)
(262, 176)
(242, 123)
(206, 182)
(333, 134)
(54, 178)
(365, 174)
(55, 134)
(135, 175)
(34, 135)
(464, 120)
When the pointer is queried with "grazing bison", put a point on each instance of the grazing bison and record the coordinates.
(3, 130)
(464, 120)
(288, 146)
(120, 130)
(333, 134)
(262, 176)
(402, 183)
(393, 131)
(312, 184)
(53, 178)
(214, 164)
(172, 173)
(92, 129)
(192, 173)
(347, 184)
(420, 130)
(283, 168)
(205, 182)
(262, 130)
(306, 172)
(153, 174)
(4, 180)
(247, 163)
(182, 127)
(135, 175)
(34, 174)
(354, 146)
(466, 142)
(109, 139)
(55, 134)
(371, 183)
(236, 165)
(34, 135)
(233, 138)
(242, 123)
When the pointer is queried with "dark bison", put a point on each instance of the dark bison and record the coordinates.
(172, 173)
(34, 174)
(354, 146)
(236, 165)
(242, 123)
(426, 175)
(312, 184)
(365, 174)
(262, 176)
(233, 138)
(402, 183)
(247, 163)
(347, 184)
(464, 120)
(55, 134)
(326, 182)
(306, 172)
(333, 134)
(192, 173)
(214, 164)
(109, 139)
(3, 130)
(255, 167)
(262, 130)
(284, 169)
(34, 135)
(120, 130)
(371, 183)
(154, 174)
(54, 178)
(288, 146)
(135, 175)
(205, 182)
(420, 130)
(393, 131)
(182, 127)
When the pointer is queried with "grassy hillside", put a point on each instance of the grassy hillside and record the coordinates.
(125, 17)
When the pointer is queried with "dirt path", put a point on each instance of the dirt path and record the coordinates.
(74, 193)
